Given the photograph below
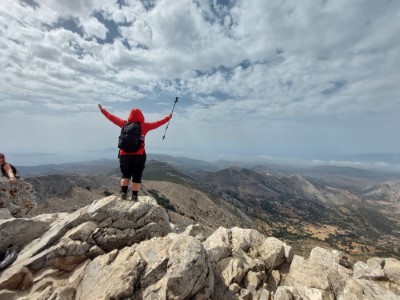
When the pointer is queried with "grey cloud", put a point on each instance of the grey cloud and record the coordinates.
(71, 7)
(46, 53)
(14, 103)
(82, 66)
(32, 3)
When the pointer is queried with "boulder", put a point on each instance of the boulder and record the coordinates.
(111, 276)
(241, 260)
(218, 245)
(17, 199)
(66, 242)
(21, 231)
(329, 274)
(272, 252)
(171, 267)
(195, 231)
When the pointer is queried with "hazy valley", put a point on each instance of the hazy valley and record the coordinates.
(353, 210)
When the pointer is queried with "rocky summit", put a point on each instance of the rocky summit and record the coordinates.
(114, 249)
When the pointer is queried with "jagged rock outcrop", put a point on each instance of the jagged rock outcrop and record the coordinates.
(70, 240)
(115, 249)
(17, 199)
(243, 261)
(328, 274)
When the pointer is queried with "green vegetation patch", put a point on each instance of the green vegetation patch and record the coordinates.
(162, 200)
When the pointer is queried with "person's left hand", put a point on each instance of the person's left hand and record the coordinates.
(13, 180)
(101, 107)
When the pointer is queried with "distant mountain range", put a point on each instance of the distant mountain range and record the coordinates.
(345, 208)
(193, 165)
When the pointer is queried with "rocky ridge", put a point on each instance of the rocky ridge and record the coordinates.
(113, 249)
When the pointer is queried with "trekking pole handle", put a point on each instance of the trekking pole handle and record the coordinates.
(176, 101)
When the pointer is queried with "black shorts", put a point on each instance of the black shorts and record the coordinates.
(132, 167)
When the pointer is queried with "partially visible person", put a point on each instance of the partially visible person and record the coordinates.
(132, 163)
(8, 170)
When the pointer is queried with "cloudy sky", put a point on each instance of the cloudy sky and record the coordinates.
(311, 79)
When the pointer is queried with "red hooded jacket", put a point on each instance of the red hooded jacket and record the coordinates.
(135, 115)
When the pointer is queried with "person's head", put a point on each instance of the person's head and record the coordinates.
(2, 158)
(136, 115)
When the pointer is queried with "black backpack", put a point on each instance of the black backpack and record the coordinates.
(130, 139)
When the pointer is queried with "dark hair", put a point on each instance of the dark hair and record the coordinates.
(2, 155)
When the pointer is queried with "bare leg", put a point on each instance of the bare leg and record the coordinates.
(136, 186)
(135, 190)
(124, 182)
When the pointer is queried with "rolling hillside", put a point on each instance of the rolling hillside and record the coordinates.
(362, 221)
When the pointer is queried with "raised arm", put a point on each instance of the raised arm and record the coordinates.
(117, 121)
(154, 125)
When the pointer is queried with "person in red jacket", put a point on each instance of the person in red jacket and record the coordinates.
(132, 163)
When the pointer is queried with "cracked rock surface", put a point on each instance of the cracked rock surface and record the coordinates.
(16, 199)
(114, 249)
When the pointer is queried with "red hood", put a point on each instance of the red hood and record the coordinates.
(136, 115)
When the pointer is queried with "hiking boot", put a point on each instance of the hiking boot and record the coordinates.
(134, 198)
(123, 196)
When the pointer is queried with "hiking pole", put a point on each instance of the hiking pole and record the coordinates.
(173, 107)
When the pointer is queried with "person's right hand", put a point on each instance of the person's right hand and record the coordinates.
(101, 107)
(13, 180)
